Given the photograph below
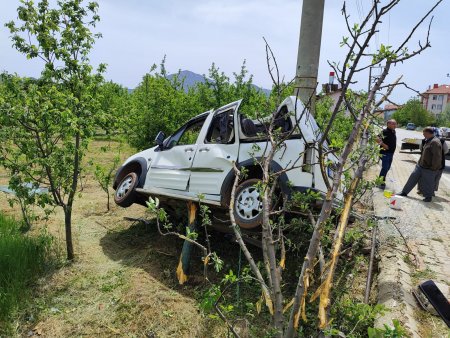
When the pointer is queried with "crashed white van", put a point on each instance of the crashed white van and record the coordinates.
(198, 159)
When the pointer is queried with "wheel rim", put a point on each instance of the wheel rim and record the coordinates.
(248, 203)
(124, 187)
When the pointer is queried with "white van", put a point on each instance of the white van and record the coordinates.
(198, 159)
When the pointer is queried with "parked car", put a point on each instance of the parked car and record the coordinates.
(198, 159)
(410, 126)
(437, 132)
(445, 132)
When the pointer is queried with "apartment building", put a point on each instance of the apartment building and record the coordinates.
(436, 99)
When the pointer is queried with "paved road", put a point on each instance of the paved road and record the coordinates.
(426, 227)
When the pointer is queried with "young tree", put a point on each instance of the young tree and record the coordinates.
(46, 123)
(104, 175)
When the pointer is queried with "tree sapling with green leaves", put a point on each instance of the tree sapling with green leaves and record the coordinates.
(46, 124)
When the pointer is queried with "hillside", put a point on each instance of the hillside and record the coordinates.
(191, 79)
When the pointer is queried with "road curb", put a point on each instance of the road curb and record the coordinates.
(393, 281)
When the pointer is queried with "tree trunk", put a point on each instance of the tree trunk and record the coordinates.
(275, 274)
(324, 304)
(303, 282)
(68, 206)
(68, 228)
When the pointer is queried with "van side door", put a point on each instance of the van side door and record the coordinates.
(171, 167)
(216, 152)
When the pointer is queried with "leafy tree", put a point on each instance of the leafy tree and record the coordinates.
(46, 124)
(158, 104)
(413, 111)
(104, 174)
(443, 119)
(218, 90)
(342, 126)
(114, 102)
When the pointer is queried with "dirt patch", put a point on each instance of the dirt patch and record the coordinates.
(122, 282)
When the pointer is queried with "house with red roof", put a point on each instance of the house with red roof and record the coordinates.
(389, 109)
(435, 99)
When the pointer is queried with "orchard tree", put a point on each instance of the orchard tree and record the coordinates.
(219, 90)
(115, 103)
(46, 123)
(158, 104)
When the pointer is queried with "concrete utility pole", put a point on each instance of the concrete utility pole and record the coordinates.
(309, 51)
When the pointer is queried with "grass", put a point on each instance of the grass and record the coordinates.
(430, 325)
(417, 275)
(122, 282)
(22, 260)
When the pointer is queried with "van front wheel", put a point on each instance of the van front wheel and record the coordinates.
(248, 204)
(125, 194)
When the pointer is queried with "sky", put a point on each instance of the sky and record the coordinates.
(194, 34)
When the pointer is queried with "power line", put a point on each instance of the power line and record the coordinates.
(389, 26)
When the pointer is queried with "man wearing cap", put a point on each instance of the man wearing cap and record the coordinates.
(427, 168)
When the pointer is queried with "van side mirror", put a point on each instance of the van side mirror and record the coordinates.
(159, 139)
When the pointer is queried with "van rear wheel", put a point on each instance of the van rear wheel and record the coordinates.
(248, 204)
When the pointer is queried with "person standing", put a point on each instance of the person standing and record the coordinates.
(430, 162)
(440, 171)
(388, 143)
(444, 151)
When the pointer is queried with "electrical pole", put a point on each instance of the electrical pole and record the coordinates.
(309, 51)
(374, 78)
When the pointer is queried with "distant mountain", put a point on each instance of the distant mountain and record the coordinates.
(264, 90)
(191, 79)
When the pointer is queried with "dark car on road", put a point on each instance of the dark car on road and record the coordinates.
(410, 126)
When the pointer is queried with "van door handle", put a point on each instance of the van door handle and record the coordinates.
(189, 150)
(203, 149)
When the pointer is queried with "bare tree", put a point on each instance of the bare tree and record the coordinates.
(358, 59)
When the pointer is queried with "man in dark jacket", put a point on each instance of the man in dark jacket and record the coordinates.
(429, 164)
(388, 143)
(444, 152)
(439, 173)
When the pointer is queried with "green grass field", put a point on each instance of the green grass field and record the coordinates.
(22, 260)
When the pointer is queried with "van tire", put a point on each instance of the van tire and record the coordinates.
(125, 194)
(248, 204)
